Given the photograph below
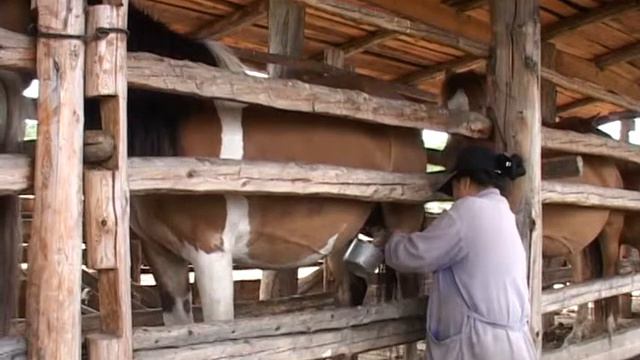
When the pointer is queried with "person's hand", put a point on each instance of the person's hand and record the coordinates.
(380, 236)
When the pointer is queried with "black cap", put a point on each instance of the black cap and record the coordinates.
(477, 158)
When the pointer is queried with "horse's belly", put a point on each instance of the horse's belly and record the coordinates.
(569, 229)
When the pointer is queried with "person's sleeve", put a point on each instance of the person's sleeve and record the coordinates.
(437, 247)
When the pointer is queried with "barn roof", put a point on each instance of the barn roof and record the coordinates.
(597, 41)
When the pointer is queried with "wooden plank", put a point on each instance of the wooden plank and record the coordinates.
(361, 44)
(620, 346)
(465, 5)
(13, 348)
(312, 335)
(250, 14)
(555, 192)
(55, 253)
(298, 322)
(101, 52)
(588, 144)
(390, 22)
(576, 294)
(156, 73)
(438, 70)
(627, 53)
(575, 105)
(199, 175)
(514, 76)
(562, 167)
(590, 89)
(595, 15)
(99, 220)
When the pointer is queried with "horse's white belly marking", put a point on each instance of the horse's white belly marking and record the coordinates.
(237, 228)
(232, 134)
(321, 253)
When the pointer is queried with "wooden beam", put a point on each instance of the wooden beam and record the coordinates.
(626, 53)
(153, 72)
(588, 144)
(16, 51)
(438, 70)
(390, 22)
(229, 24)
(514, 76)
(13, 348)
(575, 105)
(99, 220)
(577, 294)
(590, 89)
(562, 167)
(197, 175)
(465, 5)
(595, 15)
(55, 253)
(114, 278)
(312, 335)
(361, 44)
(619, 346)
(555, 192)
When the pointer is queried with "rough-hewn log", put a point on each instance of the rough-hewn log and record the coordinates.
(97, 147)
(514, 84)
(192, 175)
(580, 19)
(115, 283)
(14, 348)
(548, 93)
(157, 73)
(620, 346)
(588, 144)
(246, 16)
(99, 220)
(100, 77)
(562, 167)
(17, 51)
(590, 89)
(438, 70)
(629, 52)
(55, 253)
(576, 294)
(325, 333)
(401, 25)
(554, 192)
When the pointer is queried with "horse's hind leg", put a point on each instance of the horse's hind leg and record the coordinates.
(610, 247)
(172, 275)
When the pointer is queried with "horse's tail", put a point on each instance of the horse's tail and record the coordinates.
(225, 57)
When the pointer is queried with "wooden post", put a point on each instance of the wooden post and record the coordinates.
(286, 37)
(626, 126)
(55, 252)
(114, 279)
(13, 109)
(548, 93)
(514, 82)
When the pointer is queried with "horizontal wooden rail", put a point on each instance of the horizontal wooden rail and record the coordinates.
(622, 345)
(13, 348)
(15, 173)
(576, 294)
(192, 175)
(310, 335)
(555, 192)
(589, 144)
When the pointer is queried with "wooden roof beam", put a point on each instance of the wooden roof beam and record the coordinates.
(361, 44)
(575, 105)
(246, 16)
(626, 53)
(465, 5)
(438, 70)
(596, 15)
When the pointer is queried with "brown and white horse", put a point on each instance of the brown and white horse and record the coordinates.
(212, 232)
(567, 230)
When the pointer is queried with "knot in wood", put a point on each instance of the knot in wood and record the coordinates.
(103, 222)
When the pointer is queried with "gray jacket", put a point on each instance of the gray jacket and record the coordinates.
(479, 304)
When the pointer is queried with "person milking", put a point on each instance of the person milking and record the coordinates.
(479, 304)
